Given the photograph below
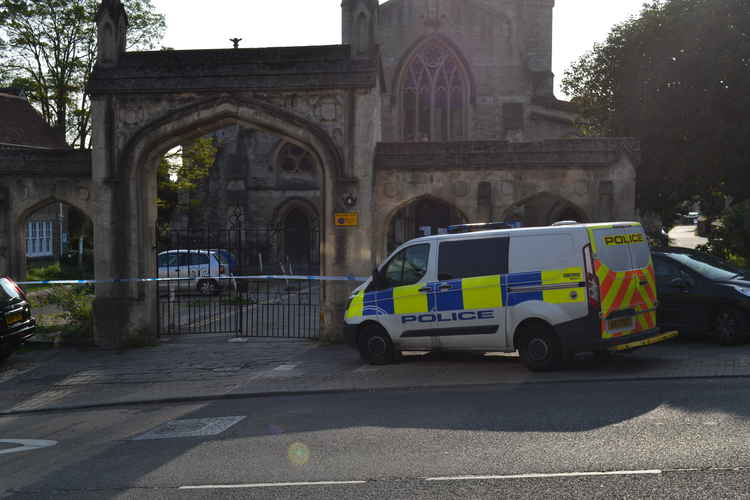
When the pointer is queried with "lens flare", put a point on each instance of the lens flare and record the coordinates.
(299, 454)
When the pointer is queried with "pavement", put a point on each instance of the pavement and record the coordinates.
(684, 236)
(208, 367)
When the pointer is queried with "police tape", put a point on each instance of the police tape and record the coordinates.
(267, 277)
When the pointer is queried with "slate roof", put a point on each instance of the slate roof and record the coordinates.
(21, 124)
(277, 68)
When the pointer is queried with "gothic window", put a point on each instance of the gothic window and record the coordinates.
(292, 159)
(434, 95)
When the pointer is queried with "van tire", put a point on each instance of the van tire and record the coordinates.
(730, 326)
(540, 348)
(375, 345)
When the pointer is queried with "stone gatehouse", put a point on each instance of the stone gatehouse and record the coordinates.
(430, 112)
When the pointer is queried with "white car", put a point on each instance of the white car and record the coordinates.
(207, 268)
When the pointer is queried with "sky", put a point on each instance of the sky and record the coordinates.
(201, 24)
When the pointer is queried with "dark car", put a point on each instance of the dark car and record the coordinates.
(700, 294)
(16, 323)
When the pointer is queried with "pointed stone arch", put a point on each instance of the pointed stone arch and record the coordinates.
(127, 194)
(403, 222)
(545, 208)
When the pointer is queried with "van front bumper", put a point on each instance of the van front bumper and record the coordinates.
(634, 341)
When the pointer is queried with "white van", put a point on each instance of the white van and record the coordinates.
(204, 266)
(548, 292)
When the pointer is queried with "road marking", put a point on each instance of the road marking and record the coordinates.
(285, 368)
(549, 475)
(190, 427)
(268, 485)
(26, 445)
(366, 369)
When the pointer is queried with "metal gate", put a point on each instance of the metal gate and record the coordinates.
(211, 290)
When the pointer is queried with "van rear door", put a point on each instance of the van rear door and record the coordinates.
(626, 279)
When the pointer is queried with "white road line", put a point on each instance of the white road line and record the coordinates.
(268, 485)
(285, 368)
(550, 475)
(26, 445)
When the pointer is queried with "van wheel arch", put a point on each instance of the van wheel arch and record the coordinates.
(531, 324)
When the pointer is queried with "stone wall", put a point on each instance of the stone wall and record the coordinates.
(487, 181)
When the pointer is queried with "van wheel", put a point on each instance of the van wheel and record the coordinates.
(375, 345)
(207, 287)
(730, 326)
(540, 349)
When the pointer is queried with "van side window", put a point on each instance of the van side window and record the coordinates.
(407, 267)
(470, 258)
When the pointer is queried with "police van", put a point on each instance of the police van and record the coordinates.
(547, 292)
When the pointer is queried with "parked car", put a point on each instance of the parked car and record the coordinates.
(17, 324)
(700, 294)
(209, 270)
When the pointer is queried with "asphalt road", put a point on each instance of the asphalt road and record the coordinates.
(670, 439)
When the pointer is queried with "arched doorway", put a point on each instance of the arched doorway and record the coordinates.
(298, 241)
(543, 209)
(422, 217)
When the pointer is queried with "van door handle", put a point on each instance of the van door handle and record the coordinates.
(644, 283)
(425, 289)
(444, 288)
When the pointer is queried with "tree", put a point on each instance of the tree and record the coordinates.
(181, 172)
(676, 76)
(48, 48)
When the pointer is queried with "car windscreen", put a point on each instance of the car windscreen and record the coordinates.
(706, 265)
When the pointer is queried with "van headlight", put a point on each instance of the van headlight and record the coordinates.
(742, 289)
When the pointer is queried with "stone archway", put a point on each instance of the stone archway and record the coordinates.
(543, 209)
(128, 212)
(420, 216)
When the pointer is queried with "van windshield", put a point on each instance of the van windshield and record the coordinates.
(622, 248)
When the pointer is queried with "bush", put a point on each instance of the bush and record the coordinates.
(730, 238)
(76, 303)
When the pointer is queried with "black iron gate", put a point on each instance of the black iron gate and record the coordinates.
(211, 288)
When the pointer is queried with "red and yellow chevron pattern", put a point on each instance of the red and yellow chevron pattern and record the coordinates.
(627, 290)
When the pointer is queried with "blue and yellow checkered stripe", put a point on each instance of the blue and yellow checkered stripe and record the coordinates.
(484, 292)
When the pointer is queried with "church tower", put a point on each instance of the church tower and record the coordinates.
(359, 20)
(112, 29)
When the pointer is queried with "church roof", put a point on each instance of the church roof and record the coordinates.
(277, 68)
(22, 125)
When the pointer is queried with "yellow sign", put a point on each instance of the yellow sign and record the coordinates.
(347, 219)
(624, 239)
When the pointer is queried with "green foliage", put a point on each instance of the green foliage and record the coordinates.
(676, 76)
(48, 48)
(180, 173)
(76, 303)
(730, 238)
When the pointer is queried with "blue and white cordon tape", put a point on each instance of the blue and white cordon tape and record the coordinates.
(193, 278)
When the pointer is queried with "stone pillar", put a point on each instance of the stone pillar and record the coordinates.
(351, 250)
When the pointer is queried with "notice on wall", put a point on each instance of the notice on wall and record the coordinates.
(347, 219)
